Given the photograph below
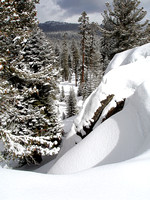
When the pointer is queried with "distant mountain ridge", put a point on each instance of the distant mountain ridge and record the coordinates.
(54, 26)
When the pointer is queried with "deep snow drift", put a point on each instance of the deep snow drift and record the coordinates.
(113, 161)
(119, 138)
(122, 136)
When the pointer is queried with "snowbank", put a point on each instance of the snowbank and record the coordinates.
(124, 135)
(122, 82)
(129, 56)
(123, 181)
(117, 139)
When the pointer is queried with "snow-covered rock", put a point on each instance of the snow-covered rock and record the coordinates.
(120, 81)
(129, 56)
(123, 135)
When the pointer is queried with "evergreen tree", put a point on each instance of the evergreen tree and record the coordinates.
(57, 57)
(62, 94)
(71, 103)
(69, 68)
(92, 49)
(64, 60)
(122, 27)
(29, 124)
(84, 28)
(76, 61)
(17, 20)
(37, 53)
(57, 51)
(94, 66)
(80, 89)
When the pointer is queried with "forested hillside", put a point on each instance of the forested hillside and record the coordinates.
(53, 26)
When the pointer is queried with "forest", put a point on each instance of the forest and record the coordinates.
(32, 64)
(74, 104)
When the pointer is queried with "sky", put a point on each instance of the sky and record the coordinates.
(70, 10)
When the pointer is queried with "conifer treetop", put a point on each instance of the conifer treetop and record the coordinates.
(123, 27)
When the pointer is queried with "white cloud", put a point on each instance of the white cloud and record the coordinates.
(49, 11)
(94, 17)
(58, 10)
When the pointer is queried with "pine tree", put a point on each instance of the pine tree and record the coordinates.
(71, 103)
(17, 21)
(57, 57)
(84, 28)
(30, 127)
(57, 51)
(69, 68)
(122, 27)
(94, 67)
(76, 61)
(27, 127)
(64, 60)
(62, 94)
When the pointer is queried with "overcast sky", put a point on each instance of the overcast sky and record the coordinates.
(70, 10)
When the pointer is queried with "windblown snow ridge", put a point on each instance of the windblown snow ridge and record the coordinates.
(122, 136)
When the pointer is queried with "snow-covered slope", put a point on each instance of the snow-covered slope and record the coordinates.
(122, 136)
(124, 181)
(125, 73)
(113, 161)
(129, 56)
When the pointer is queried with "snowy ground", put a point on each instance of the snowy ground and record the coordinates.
(67, 86)
(112, 162)
(123, 181)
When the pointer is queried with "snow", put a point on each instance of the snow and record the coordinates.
(129, 56)
(122, 136)
(67, 86)
(111, 142)
(126, 181)
(17, 37)
(1, 67)
(121, 81)
(113, 161)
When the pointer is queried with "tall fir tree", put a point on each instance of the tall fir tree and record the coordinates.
(84, 29)
(94, 66)
(64, 60)
(71, 103)
(57, 56)
(122, 27)
(69, 68)
(17, 21)
(29, 124)
(76, 61)
(62, 94)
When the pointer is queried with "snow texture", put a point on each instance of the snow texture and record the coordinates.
(123, 135)
(113, 161)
